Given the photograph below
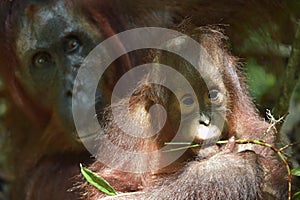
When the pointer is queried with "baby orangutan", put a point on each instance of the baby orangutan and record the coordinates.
(214, 105)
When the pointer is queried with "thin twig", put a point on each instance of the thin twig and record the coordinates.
(182, 148)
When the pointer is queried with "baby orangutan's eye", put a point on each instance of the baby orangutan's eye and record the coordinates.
(187, 100)
(214, 95)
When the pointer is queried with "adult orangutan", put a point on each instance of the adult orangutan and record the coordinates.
(43, 45)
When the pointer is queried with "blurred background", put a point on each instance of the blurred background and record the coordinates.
(265, 35)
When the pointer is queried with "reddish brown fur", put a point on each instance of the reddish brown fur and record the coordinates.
(232, 172)
(27, 119)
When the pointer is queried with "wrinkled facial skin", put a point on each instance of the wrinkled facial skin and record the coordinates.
(52, 42)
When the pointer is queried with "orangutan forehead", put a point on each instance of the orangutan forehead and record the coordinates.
(44, 25)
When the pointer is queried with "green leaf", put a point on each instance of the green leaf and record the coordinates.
(296, 172)
(97, 181)
(296, 196)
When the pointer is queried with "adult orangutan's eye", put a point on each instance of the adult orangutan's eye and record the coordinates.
(42, 59)
(71, 44)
